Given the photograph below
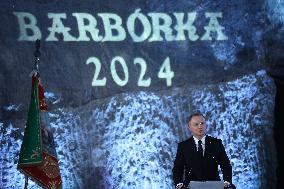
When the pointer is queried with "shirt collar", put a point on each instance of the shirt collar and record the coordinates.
(196, 140)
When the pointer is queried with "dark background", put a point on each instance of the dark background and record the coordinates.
(238, 83)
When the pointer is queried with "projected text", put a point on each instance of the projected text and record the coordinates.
(165, 72)
(154, 26)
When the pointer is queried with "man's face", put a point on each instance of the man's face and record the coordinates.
(197, 126)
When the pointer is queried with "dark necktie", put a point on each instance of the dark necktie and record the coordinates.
(200, 149)
(201, 161)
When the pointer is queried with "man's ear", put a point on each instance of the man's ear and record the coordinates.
(188, 126)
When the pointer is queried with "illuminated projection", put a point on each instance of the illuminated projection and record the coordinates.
(129, 141)
(165, 72)
(121, 79)
(112, 23)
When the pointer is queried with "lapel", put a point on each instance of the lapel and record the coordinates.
(207, 146)
(192, 145)
(209, 149)
(193, 150)
(195, 161)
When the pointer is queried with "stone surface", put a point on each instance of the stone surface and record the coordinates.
(63, 64)
(126, 137)
(130, 140)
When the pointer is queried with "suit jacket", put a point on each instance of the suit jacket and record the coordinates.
(189, 166)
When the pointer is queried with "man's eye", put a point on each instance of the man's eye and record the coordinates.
(196, 124)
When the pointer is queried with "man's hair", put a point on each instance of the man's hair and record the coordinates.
(195, 114)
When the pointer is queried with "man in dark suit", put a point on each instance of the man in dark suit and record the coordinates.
(198, 157)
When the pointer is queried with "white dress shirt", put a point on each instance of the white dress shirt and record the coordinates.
(203, 143)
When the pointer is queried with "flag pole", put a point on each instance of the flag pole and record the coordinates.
(37, 54)
(26, 182)
(35, 71)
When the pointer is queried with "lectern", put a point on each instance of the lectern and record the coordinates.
(206, 185)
